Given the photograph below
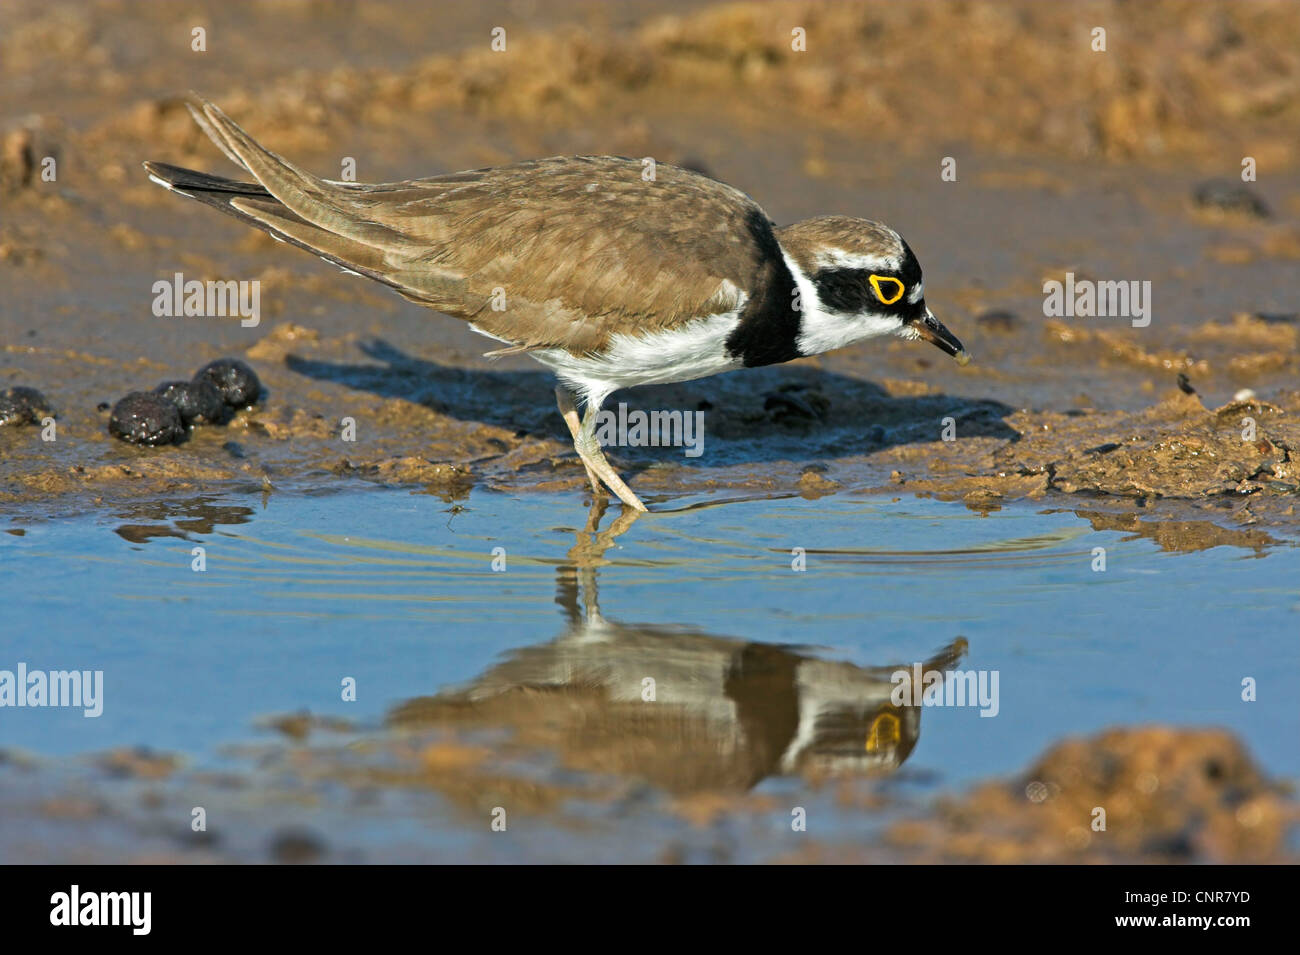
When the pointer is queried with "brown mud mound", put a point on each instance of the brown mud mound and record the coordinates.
(1177, 448)
(1196, 85)
(1161, 794)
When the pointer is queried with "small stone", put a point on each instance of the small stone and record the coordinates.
(145, 418)
(1227, 196)
(813, 485)
(22, 405)
(199, 401)
(236, 381)
(13, 412)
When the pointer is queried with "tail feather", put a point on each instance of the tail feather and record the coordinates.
(253, 204)
(313, 214)
(214, 134)
(309, 197)
(180, 179)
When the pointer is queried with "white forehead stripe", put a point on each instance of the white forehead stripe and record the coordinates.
(918, 290)
(832, 258)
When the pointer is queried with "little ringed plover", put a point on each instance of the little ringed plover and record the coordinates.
(608, 279)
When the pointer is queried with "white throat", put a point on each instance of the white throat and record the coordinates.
(821, 330)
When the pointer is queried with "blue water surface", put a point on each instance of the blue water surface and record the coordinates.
(397, 591)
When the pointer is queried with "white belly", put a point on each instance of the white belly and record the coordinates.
(694, 350)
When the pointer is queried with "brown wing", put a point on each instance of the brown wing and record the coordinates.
(572, 247)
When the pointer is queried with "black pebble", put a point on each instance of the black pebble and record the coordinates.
(22, 405)
(145, 418)
(1227, 196)
(197, 400)
(1185, 384)
(237, 382)
(13, 411)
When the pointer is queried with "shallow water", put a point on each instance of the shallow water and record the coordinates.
(397, 590)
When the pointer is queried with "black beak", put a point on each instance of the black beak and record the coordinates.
(932, 330)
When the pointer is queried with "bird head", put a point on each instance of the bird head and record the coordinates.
(858, 279)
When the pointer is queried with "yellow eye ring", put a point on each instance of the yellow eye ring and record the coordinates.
(875, 284)
(885, 731)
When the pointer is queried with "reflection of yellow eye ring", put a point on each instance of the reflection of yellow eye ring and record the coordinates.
(875, 284)
(885, 731)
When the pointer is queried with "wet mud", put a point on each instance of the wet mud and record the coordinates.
(1125, 795)
(1053, 407)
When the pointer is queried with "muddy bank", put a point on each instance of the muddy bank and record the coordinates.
(1175, 79)
(1168, 795)
(354, 408)
(1074, 174)
(1140, 795)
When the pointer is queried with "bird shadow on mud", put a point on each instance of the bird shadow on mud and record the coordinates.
(779, 412)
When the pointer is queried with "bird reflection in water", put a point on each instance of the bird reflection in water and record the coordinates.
(684, 710)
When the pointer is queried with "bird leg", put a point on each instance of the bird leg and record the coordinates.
(569, 411)
(588, 448)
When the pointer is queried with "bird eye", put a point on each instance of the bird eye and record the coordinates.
(891, 291)
(885, 732)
